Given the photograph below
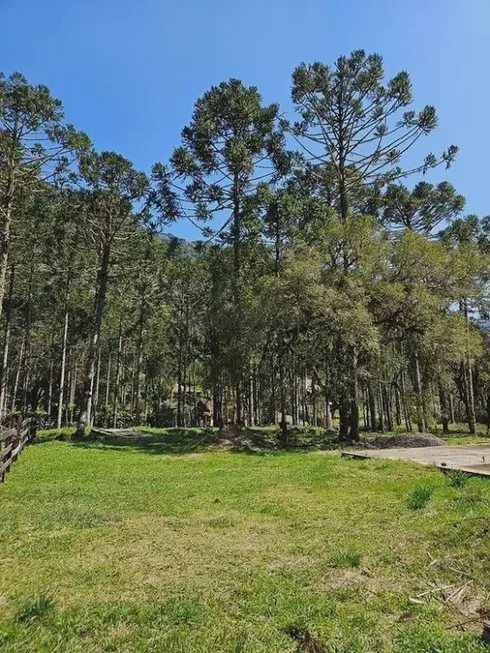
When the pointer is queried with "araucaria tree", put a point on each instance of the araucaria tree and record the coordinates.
(110, 189)
(232, 145)
(319, 293)
(358, 125)
(35, 145)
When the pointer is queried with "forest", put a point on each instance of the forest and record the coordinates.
(337, 281)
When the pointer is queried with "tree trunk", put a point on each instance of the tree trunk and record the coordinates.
(451, 408)
(420, 401)
(344, 419)
(73, 385)
(406, 410)
(372, 408)
(50, 386)
(64, 347)
(470, 397)
(107, 389)
(100, 301)
(328, 412)
(251, 403)
(257, 420)
(17, 374)
(180, 366)
(89, 407)
(95, 403)
(314, 414)
(444, 413)
(217, 415)
(118, 377)
(273, 417)
(139, 362)
(354, 408)
(282, 399)
(6, 346)
(28, 343)
(386, 401)
(237, 296)
(6, 208)
(381, 425)
(398, 406)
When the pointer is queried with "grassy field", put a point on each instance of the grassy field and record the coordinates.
(146, 548)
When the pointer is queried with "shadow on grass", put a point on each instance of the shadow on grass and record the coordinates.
(184, 441)
(177, 442)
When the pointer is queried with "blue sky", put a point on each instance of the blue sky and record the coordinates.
(129, 71)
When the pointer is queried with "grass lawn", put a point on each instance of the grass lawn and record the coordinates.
(130, 548)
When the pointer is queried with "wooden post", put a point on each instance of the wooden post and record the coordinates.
(18, 436)
(486, 630)
(32, 429)
(3, 444)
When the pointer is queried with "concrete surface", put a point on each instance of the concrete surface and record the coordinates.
(474, 459)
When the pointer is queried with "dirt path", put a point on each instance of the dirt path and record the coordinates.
(474, 459)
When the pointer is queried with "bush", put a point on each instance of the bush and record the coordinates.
(419, 496)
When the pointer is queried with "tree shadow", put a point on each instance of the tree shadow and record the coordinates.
(184, 441)
(176, 442)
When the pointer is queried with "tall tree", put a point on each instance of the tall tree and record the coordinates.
(356, 123)
(111, 189)
(35, 144)
(232, 144)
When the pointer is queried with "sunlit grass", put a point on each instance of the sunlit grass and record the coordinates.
(125, 548)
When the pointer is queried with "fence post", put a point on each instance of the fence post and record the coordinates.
(20, 433)
(18, 437)
(486, 631)
(33, 425)
(2, 475)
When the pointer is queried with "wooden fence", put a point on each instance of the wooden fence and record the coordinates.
(12, 441)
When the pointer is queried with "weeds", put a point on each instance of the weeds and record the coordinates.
(345, 559)
(470, 496)
(456, 478)
(419, 496)
(34, 608)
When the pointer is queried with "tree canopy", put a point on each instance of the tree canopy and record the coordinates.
(335, 284)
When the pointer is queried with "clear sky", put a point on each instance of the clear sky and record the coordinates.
(129, 71)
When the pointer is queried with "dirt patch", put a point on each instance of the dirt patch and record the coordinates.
(402, 441)
(305, 640)
(356, 579)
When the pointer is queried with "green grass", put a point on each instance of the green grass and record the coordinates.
(459, 434)
(456, 478)
(123, 547)
(419, 496)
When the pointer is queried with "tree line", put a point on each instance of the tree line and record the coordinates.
(333, 283)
